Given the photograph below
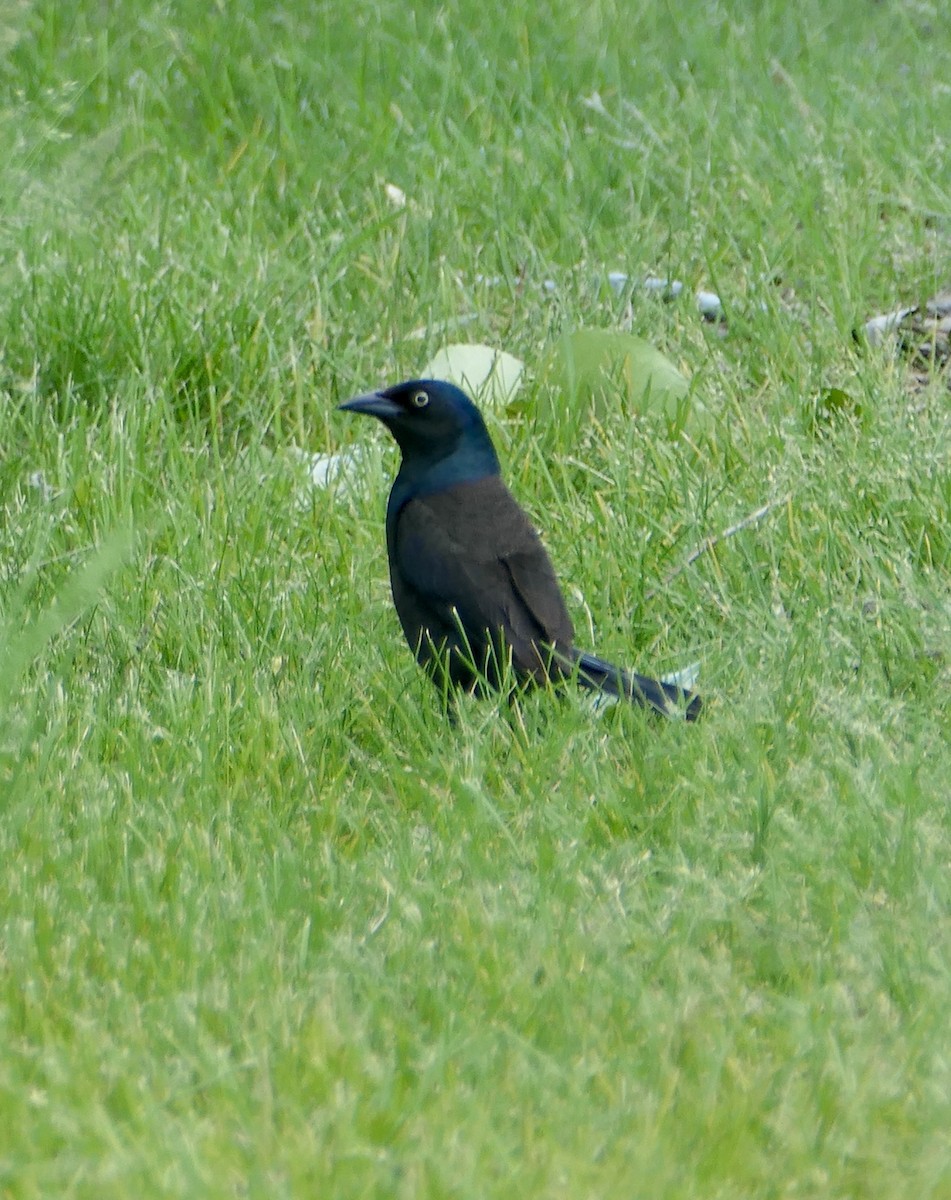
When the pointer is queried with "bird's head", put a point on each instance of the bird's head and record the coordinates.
(434, 423)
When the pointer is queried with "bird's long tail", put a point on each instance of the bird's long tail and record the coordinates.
(667, 698)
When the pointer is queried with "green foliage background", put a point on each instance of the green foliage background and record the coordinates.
(268, 926)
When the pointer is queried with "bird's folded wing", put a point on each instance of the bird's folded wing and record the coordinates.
(488, 565)
(534, 581)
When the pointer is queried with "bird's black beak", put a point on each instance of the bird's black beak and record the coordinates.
(373, 404)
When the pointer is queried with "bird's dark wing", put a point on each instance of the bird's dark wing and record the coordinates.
(533, 580)
(469, 555)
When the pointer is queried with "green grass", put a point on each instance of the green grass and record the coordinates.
(268, 926)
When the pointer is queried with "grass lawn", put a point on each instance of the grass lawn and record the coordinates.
(269, 926)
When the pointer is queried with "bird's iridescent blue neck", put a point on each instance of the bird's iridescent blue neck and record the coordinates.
(424, 471)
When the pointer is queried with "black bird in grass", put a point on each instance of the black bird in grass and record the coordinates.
(474, 588)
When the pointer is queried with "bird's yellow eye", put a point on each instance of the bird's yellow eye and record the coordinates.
(419, 399)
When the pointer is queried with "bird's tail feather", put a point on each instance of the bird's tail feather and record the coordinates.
(667, 698)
